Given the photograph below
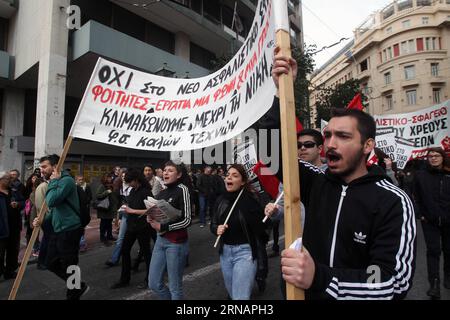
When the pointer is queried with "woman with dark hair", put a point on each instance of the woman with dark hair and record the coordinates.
(240, 236)
(432, 198)
(106, 215)
(171, 247)
(137, 226)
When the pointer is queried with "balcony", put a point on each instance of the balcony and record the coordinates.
(4, 64)
(411, 83)
(101, 40)
(202, 27)
(387, 88)
(7, 8)
(363, 76)
(439, 80)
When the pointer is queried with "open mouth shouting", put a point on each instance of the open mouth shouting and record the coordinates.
(333, 158)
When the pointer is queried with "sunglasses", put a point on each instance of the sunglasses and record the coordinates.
(307, 145)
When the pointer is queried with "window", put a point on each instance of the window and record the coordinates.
(425, 20)
(410, 72)
(419, 42)
(387, 78)
(363, 66)
(411, 46)
(129, 23)
(389, 102)
(436, 95)
(385, 58)
(201, 56)
(366, 89)
(3, 33)
(407, 47)
(435, 69)
(389, 30)
(406, 23)
(431, 43)
(404, 47)
(396, 50)
(389, 52)
(411, 97)
(160, 38)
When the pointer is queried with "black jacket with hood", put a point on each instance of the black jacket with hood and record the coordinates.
(432, 195)
(361, 235)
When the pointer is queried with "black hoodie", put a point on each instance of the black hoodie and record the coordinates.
(432, 195)
(361, 235)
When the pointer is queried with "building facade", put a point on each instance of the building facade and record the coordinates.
(48, 49)
(400, 54)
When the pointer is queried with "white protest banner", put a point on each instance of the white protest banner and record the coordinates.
(133, 109)
(409, 135)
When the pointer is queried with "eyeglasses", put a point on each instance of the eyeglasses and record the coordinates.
(307, 145)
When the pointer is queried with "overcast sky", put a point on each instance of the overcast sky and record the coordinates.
(327, 21)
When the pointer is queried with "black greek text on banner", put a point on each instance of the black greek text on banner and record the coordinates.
(133, 109)
(409, 136)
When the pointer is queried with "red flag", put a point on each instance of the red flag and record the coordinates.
(270, 183)
(298, 125)
(356, 103)
(373, 159)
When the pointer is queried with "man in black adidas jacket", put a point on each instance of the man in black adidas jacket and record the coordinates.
(359, 237)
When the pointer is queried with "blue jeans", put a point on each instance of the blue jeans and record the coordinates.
(83, 241)
(171, 258)
(118, 247)
(239, 270)
(203, 200)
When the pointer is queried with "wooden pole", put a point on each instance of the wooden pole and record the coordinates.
(291, 185)
(34, 235)
(228, 217)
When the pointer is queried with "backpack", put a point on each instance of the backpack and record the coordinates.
(85, 214)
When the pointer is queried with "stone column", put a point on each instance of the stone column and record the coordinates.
(12, 125)
(52, 78)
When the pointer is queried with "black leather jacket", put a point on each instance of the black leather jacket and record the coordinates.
(250, 216)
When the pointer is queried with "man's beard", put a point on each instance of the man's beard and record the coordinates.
(354, 164)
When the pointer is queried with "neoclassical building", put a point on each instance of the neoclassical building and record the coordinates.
(400, 54)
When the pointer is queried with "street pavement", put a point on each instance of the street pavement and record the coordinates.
(202, 278)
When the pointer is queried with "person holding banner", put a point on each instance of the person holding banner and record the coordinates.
(359, 237)
(64, 214)
(432, 198)
(241, 235)
(171, 247)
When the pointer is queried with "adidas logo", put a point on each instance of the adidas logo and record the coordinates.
(360, 238)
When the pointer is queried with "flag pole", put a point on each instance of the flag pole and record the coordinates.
(228, 217)
(291, 183)
(44, 207)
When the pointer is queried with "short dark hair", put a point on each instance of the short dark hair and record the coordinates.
(446, 159)
(53, 159)
(317, 136)
(366, 124)
(135, 174)
(148, 166)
